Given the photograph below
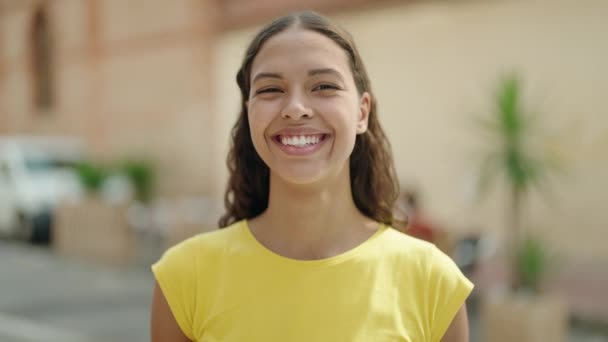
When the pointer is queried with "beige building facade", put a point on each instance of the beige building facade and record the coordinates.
(156, 78)
(131, 78)
(434, 65)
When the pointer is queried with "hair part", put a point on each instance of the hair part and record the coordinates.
(374, 184)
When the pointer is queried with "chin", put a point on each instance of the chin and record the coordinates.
(308, 175)
(300, 178)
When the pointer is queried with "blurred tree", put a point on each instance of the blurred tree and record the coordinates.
(510, 153)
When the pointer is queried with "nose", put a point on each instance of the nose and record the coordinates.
(296, 107)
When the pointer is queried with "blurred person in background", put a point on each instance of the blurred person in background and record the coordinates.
(307, 252)
(417, 225)
(420, 225)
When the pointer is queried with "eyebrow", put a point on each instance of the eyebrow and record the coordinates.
(266, 75)
(313, 72)
(323, 71)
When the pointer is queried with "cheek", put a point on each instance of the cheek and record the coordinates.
(342, 115)
(345, 118)
(259, 121)
(263, 112)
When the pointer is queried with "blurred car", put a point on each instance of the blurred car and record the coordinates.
(36, 173)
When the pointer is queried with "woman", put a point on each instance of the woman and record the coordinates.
(307, 252)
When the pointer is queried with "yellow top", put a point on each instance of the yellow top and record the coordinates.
(226, 286)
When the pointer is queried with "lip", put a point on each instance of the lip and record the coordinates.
(295, 131)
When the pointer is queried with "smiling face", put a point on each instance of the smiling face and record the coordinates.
(304, 110)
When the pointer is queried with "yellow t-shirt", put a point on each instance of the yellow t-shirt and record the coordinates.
(226, 286)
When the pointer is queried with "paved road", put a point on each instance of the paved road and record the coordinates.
(44, 297)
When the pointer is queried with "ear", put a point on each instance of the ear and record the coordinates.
(364, 108)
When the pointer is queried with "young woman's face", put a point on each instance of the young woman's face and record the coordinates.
(304, 109)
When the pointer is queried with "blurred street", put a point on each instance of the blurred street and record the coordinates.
(116, 119)
(44, 297)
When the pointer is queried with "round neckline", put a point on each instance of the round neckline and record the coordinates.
(338, 258)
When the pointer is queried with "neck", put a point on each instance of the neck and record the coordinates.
(311, 222)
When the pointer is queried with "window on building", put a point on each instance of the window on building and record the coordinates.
(41, 48)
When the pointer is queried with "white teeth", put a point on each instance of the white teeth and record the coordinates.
(300, 141)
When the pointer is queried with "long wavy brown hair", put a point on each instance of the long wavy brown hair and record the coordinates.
(374, 185)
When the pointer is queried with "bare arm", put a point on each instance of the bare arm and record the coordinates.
(458, 331)
(163, 327)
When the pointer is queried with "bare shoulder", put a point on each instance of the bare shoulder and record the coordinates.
(458, 331)
(163, 326)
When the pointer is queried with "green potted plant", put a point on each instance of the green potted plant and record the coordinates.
(95, 229)
(512, 156)
(91, 176)
(140, 173)
(531, 264)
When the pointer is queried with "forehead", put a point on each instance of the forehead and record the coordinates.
(296, 49)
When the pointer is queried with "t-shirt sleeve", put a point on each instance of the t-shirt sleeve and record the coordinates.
(449, 289)
(175, 275)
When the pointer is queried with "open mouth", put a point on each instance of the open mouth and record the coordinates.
(300, 141)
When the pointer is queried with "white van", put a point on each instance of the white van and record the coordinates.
(35, 175)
